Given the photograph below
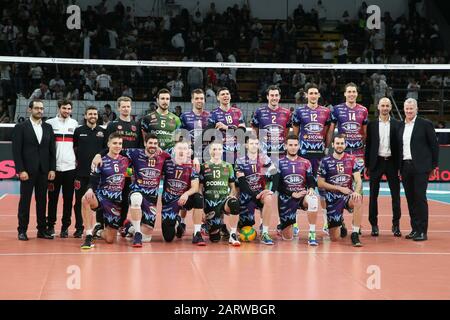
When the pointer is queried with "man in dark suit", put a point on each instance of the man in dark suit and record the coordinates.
(34, 155)
(382, 157)
(419, 153)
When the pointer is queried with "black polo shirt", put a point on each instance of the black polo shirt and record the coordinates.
(87, 142)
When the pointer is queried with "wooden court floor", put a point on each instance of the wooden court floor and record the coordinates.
(385, 268)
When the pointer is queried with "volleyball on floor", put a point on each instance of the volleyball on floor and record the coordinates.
(247, 234)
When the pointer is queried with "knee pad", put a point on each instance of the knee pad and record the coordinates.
(168, 229)
(234, 206)
(136, 200)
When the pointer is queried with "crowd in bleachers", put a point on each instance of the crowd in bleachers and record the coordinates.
(33, 28)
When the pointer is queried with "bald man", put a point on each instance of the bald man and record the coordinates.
(382, 158)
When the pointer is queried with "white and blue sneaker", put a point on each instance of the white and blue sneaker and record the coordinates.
(312, 239)
(266, 239)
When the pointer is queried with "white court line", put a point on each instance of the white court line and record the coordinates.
(403, 190)
(443, 202)
(380, 215)
(270, 230)
(92, 252)
(1, 197)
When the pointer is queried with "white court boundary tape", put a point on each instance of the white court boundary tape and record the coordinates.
(402, 190)
(242, 65)
(234, 252)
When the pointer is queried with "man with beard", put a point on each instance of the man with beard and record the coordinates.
(336, 175)
(162, 122)
(87, 142)
(296, 191)
(63, 128)
(351, 119)
(33, 146)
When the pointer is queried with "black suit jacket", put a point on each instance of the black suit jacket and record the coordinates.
(30, 155)
(424, 146)
(373, 142)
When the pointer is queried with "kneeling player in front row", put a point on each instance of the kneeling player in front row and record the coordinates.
(105, 190)
(180, 191)
(256, 174)
(336, 175)
(296, 191)
(217, 183)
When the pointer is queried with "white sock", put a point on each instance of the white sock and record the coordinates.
(324, 214)
(355, 229)
(137, 225)
(146, 238)
(197, 228)
(312, 228)
(265, 229)
(233, 230)
(89, 232)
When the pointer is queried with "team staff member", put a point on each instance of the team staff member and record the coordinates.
(420, 154)
(33, 145)
(63, 128)
(382, 157)
(88, 140)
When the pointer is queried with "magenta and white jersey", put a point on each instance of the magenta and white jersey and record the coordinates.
(313, 124)
(339, 172)
(275, 122)
(255, 171)
(350, 121)
(295, 175)
(108, 180)
(147, 171)
(232, 118)
(194, 123)
(177, 179)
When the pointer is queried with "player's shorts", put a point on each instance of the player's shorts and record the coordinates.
(171, 208)
(214, 211)
(148, 208)
(288, 207)
(335, 209)
(248, 205)
(111, 211)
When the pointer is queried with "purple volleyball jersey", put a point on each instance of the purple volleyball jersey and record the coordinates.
(350, 121)
(232, 118)
(312, 123)
(294, 173)
(275, 121)
(112, 177)
(339, 172)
